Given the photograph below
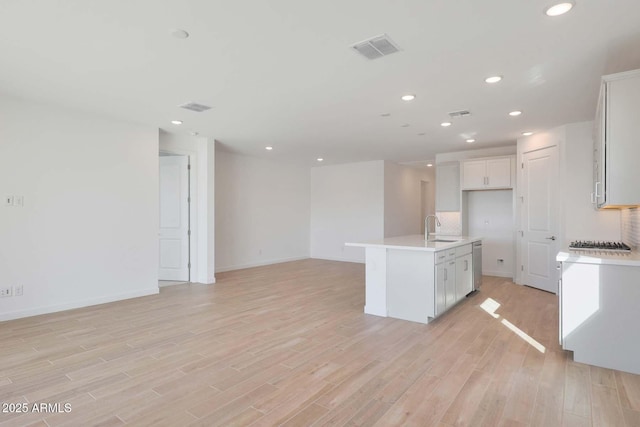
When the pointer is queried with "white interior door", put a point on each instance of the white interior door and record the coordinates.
(174, 218)
(540, 218)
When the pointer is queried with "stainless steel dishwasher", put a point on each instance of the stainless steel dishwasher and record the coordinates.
(477, 265)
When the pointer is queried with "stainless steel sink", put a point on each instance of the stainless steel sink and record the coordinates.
(442, 241)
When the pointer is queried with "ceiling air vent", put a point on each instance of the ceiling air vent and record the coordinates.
(194, 106)
(376, 47)
(461, 113)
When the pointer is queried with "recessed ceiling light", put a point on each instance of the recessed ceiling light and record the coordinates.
(408, 97)
(445, 124)
(176, 122)
(319, 159)
(493, 79)
(179, 34)
(385, 115)
(429, 165)
(471, 140)
(559, 8)
(194, 133)
(527, 133)
(406, 125)
(515, 113)
(421, 134)
(268, 148)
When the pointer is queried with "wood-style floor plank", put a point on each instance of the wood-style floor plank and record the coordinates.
(288, 344)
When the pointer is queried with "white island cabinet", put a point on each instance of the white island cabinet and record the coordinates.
(599, 315)
(411, 279)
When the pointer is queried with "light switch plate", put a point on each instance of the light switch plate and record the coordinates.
(18, 201)
(6, 292)
(8, 200)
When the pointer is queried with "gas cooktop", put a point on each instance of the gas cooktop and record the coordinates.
(589, 245)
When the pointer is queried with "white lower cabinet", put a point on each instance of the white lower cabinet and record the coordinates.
(599, 314)
(453, 277)
(445, 289)
(464, 276)
(440, 297)
(450, 284)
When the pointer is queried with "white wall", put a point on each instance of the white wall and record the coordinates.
(474, 154)
(347, 205)
(87, 233)
(262, 211)
(403, 198)
(578, 218)
(201, 151)
(491, 216)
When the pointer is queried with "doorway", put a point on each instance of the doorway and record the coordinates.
(540, 221)
(175, 225)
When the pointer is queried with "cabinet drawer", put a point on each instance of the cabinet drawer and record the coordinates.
(463, 250)
(441, 256)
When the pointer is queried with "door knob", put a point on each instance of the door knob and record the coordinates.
(551, 238)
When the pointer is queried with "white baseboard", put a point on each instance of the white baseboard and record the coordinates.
(258, 264)
(497, 274)
(76, 304)
(337, 259)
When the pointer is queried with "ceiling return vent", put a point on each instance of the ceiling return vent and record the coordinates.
(461, 113)
(376, 47)
(193, 106)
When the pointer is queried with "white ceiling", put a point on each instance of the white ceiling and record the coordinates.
(281, 73)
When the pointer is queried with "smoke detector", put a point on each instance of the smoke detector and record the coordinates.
(194, 106)
(376, 47)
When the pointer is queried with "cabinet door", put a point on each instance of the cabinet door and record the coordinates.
(450, 283)
(622, 149)
(474, 174)
(440, 296)
(598, 193)
(448, 187)
(464, 276)
(499, 173)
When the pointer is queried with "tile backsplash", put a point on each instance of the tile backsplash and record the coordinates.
(451, 223)
(631, 227)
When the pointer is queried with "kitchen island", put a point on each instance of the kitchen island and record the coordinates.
(413, 279)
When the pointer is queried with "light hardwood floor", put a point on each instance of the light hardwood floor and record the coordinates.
(288, 344)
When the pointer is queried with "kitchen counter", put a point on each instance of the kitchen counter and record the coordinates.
(600, 257)
(416, 242)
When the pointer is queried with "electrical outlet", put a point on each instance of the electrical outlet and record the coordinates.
(18, 201)
(18, 291)
(5, 292)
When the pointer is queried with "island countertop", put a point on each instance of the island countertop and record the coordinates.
(416, 242)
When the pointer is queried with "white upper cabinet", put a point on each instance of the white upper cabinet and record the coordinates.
(617, 142)
(448, 187)
(487, 174)
(474, 174)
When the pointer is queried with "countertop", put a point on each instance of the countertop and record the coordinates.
(416, 242)
(600, 257)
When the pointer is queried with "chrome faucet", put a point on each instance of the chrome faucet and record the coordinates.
(426, 225)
